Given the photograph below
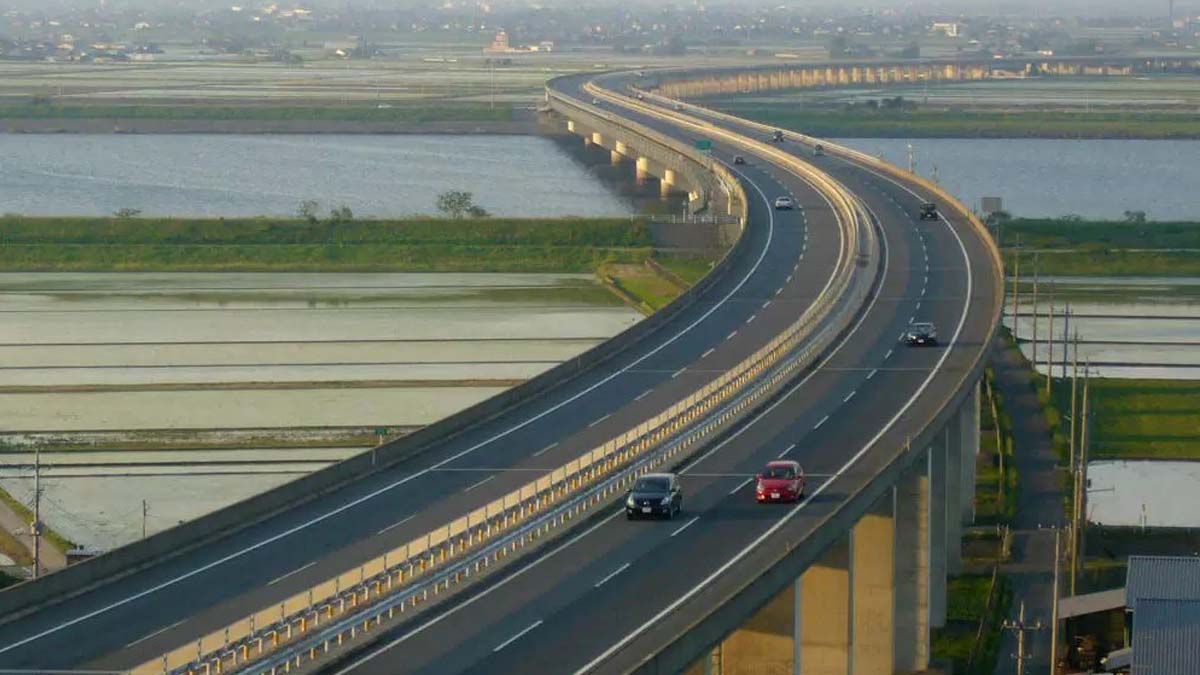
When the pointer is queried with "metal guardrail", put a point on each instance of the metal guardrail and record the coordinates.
(305, 625)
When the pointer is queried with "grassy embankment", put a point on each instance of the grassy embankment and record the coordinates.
(1070, 246)
(975, 607)
(54, 538)
(867, 122)
(415, 113)
(275, 244)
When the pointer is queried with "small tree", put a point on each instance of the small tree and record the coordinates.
(307, 210)
(127, 213)
(459, 204)
(341, 214)
(1135, 217)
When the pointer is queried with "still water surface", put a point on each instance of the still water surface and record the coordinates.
(1040, 178)
(242, 175)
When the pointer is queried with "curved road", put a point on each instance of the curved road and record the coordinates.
(604, 599)
(790, 257)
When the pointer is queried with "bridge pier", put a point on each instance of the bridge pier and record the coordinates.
(873, 589)
(912, 569)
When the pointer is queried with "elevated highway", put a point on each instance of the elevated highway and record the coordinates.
(883, 430)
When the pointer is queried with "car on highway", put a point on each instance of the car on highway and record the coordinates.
(654, 494)
(818, 150)
(780, 481)
(784, 203)
(921, 334)
(595, 101)
(928, 211)
(777, 137)
(738, 159)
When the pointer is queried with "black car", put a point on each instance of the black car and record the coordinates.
(654, 494)
(921, 334)
(818, 150)
(738, 159)
(929, 211)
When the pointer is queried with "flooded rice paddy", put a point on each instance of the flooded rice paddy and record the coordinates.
(83, 355)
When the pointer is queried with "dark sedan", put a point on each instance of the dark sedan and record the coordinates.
(655, 494)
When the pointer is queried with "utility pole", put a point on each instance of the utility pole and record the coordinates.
(1050, 342)
(35, 528)
(912, 165)
(145, 512)
(1016, 282)
(1066, 332)
(1020, 627)
(1035, 311)
(1077, 506)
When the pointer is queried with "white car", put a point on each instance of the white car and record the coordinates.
(784, 203)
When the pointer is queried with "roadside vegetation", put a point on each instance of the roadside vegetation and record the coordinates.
(310, 243)
(891, 119)
(1073, 246)
(410, 113)
(54, 538)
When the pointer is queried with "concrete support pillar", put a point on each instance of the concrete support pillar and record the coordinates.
(643, 168)
(622, 148)
(872, 591)
(912, 569)
(709, 664)
(669, 180)
(954, 491)
(969, 432)
(597, 138)
(615, 157)
(824, 615)
(765, 643)
(937, 531)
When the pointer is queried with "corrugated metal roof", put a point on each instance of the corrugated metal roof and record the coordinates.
(1166, 637)
(1090, 603)
(1161, 578)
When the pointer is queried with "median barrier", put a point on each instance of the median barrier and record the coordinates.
(466, 545)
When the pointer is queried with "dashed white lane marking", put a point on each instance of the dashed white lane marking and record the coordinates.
(295, 571)
(685, 526)
(612, 574)
(795, 267)
(599, 420)
(888, 355)
(751, 318)
(396, 524)
(741, 485)
(766, 304)
(475, 485)
(849, 396)
(872, 373)
(516, 637)
(918, 306)
(677, 373)
(555, 443)
(730, 336)
(789, 279)
(710, 350)
(823, 421)
(788, 449)
(160, 631)
(778, 290)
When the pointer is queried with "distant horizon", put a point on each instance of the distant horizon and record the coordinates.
(1030, 8)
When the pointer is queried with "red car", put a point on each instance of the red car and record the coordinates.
(780, 481)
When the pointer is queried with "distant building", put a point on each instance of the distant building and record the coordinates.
(499, 43)
(949, 28)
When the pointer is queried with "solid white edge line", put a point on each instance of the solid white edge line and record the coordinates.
(612, 574)
(391, 486)
(516, 637)
(796, 509)
(685, 526)
(295, 571)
